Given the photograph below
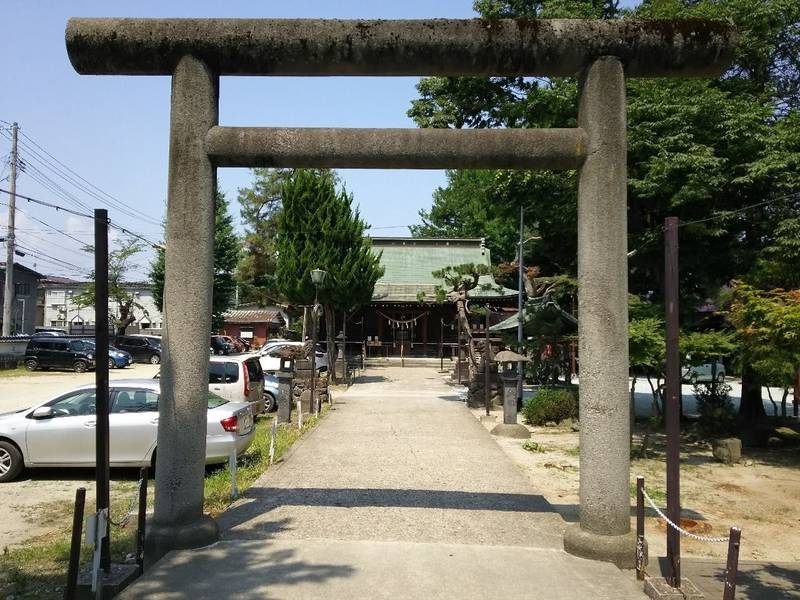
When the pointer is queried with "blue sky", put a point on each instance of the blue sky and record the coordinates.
(113, 131)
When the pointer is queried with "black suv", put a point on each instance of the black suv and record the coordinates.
(45, 352)
(143, 348)
(221, 346)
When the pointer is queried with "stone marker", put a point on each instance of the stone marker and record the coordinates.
(728, 450)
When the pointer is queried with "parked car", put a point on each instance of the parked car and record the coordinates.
(237, 345)
(143, 348)
(61, 431)
(270, 392)
(53, 352)
(238, 379)
(117, 359)
(48, 331)
(271, 364)
(246, 343)
(221, 346)
(704, 373)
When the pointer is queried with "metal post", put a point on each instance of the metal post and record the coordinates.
(344, 347)
(314, 355)
(8, 299)
(141, 520)
(232, 468)
(673, 390)
(487, 353)
(102, 472)
(732, 568)
(640, 558)
(520, 366)
(75, 544)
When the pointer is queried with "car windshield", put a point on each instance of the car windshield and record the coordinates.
(215, 401)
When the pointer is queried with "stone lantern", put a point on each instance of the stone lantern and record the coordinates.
(508, 363)
(285, 375)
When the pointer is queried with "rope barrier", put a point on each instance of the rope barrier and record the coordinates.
(699, 538)
(126, 519)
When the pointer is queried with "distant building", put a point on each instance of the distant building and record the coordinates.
(23, 312)
(58, 308)
(255, 324)
(405, 314)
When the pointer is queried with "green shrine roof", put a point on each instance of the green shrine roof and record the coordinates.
(409, 264)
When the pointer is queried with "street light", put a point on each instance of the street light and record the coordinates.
(520, 307)
(317, 278)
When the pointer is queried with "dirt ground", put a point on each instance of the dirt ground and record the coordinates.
(759, 494)
(41, 500)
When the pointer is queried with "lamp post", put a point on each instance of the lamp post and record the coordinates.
(317, 278)
(520, 305)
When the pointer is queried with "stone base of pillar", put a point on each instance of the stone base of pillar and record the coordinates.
(658, 589)
(511, 430)
(617, 549)
(160, 539)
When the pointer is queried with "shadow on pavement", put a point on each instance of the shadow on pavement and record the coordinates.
(263, 500)
(244, 569)
(757, 580)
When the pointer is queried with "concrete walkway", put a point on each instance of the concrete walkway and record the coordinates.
(399, 493)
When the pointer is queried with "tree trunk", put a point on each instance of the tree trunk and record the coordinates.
(330, 328)
(796, 402)
(752, 406)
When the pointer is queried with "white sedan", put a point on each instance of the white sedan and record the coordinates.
(61, 431)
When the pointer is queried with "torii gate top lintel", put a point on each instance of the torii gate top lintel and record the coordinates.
(309, 47)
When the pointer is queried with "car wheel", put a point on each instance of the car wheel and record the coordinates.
(80, 366)
(31, 364)
(111, 363)
(11, 463)
(720, 377)
(270, 404)
(155, 359)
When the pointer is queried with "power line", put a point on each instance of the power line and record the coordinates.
(55, 229)
(81, 182)
(729, 213)
(87, 216)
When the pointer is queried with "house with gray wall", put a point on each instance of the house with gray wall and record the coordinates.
(26, 284)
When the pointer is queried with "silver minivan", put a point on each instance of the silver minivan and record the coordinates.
(238, 379)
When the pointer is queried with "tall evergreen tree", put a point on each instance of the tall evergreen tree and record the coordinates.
(318, 229)
(226, 258)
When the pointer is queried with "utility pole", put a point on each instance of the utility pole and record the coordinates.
(520, 365)
(8, 298)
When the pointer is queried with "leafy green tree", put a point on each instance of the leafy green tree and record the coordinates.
(767, 325)
(226, 258)
(119, 264)
(319, 229)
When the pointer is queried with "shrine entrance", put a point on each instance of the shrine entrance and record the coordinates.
(196, 52)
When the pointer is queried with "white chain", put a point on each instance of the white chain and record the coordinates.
(700, 538)
(129, 513)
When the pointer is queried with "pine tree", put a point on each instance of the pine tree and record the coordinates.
(318, 229)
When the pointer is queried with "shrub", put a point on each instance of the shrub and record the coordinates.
(550, 404)
(717, 416)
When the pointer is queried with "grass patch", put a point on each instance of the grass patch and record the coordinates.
(38, 569)
(574, 451)
(532, 446)
(253, 462)
(21, 372)
(658, 496)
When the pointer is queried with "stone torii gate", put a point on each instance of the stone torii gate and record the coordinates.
(196, 52)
